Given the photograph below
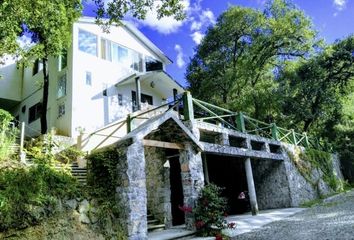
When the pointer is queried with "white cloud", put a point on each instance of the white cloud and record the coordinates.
(340, 4)
(197, 37)
(165, 25)
(195, 25)
(180, 61)
(206, 17)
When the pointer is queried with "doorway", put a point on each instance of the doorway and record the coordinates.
(176, 190)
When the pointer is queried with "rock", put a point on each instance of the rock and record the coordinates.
(84, 206)
(83, 218)
(71, 203)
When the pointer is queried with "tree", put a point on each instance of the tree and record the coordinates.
(313, 89)
(49, 25)
(240, 55)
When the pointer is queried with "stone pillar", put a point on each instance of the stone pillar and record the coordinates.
(133, 191)
(192, 179)
(251, 188)
(167, 197)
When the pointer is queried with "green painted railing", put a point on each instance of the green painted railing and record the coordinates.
(195, 109)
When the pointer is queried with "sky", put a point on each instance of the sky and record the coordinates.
(333, 19)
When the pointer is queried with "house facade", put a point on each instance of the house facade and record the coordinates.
(96, 83)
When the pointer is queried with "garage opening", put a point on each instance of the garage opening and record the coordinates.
(229, 173)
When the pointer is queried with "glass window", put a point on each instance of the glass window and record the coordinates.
(61, 86)
(120, 99)
(37, 66)
(152, 64)
(35, 112)
(106, 49)
(88, 42)
(88, 78)
(61, 110)
(63, 60)
(137, 64)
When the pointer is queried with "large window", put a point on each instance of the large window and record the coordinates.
(37, 66)
(152, 64)
(63, 60)
(124, 56)
(35, 112)
(88, 42)
(61, 86)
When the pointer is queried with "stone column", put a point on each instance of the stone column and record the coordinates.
(133, 190)
(192, 179)
(167, 197)
(251, 188)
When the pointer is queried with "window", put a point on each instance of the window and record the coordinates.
(37, 66)
(61, 86)
(152, 64)
(146, 99)
(35, 112)
(61, 110)
(106, 49)
(88, 78)
(120, 99)
(63, 61)
(118, 54)
(88, 42)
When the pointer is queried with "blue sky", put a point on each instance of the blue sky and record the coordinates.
(333, 19)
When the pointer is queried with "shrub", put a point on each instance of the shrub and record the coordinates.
(210, 211)
(26, 193)
(7, 135)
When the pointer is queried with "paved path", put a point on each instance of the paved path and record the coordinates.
(332, 219)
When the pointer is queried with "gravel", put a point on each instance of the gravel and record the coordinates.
(332, 219)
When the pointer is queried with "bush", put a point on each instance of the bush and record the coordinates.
(210, 211)
(26, 193)
(7, 135)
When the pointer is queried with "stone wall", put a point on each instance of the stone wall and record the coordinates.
(271, 183)
(158, 185)
(302, 189)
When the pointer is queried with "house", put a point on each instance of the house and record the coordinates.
(94, 85)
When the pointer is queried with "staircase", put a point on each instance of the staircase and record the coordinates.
(79, 173)
(154, 224)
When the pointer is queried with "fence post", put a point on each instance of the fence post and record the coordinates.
(293, 137)
(129, 123)
(188, 106)
(240, 122)
(275, 133)
(22, 142)
(307, 143)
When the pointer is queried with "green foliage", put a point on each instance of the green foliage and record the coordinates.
(69, 155)
(115, 11)
(239, 56)
(26, 193)
(102, 180)
(7, 135)
(210, 211)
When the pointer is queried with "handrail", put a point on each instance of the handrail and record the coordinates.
(246, 124)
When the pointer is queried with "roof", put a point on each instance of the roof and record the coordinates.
(139, 35)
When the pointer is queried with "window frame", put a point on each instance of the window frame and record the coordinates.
(63, 76)
(84, 50)
(34, 112)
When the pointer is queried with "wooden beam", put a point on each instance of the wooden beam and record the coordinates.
(154, 143)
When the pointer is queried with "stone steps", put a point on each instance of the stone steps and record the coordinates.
(79, 173)
(154, 224)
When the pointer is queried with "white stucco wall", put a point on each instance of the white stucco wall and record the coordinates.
(10, 80)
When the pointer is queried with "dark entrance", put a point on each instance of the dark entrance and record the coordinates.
(229, 173)
(176, 189)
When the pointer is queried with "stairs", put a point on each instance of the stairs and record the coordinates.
(154, 224)
(79, 173)
(14, 148)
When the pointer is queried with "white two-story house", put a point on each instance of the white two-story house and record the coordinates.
(97, 82)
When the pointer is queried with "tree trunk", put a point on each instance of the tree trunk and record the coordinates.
(44, 125)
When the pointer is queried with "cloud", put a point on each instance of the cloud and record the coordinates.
(340, 4)
(197, 37)
(205, 18)
(165, 25)
(180, 61)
